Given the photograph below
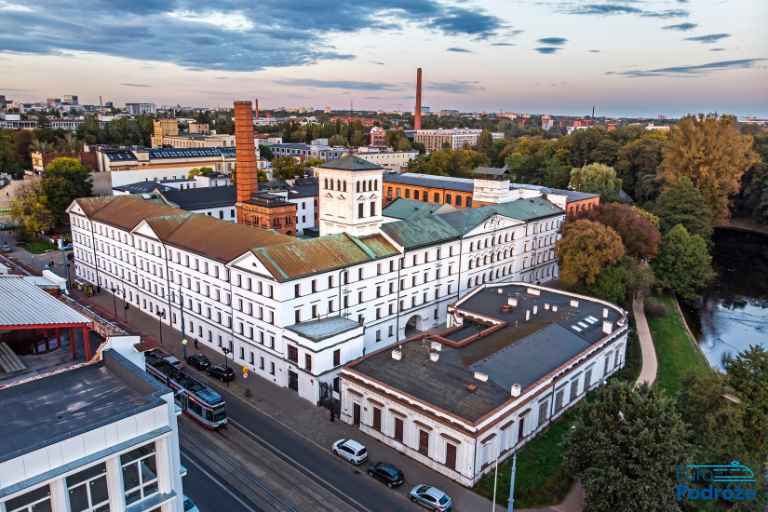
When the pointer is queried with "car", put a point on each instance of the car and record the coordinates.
(198, 361)
(221, 372)
(431, 498)
(387, 473)
(6, 248)
(350, 450)
(189, 505)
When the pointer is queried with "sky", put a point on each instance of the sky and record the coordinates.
(626, 57)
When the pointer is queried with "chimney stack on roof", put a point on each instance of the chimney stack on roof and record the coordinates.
(417, 113)
(516, 390)
(256, 108)
(397, 353)
(482, 377)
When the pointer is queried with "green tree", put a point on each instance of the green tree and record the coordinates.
(747, 374)
(682, 203)
(624, 448)
(637, 164)
(338, 140)
(582, 143)
(619, 282)
(199, 171)
(683, 265)
(597, 179)
(30, 209)
(485, 143)
(752, 200)
(606, 152)
(586, 249)
(285, 168)
(712, 152)
(265, 152)
(64, 180)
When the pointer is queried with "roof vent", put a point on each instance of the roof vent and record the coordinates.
(397, 353)
(546, 306)
(605, 312)
(512, 301)
(554, 308)
(434, 356)
(516, 390)
(482, 377)
(499, 291)
(436, 346)
(574, 303)
(533, 291)
(535, 309)
(607, 327)
(527, 314)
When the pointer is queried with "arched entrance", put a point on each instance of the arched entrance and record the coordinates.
(414, 326)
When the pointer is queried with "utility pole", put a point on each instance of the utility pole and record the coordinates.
(511, 507)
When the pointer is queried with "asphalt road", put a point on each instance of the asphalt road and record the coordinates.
(208, 492)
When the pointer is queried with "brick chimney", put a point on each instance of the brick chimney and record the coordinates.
(245, 153)
(417, 112)
(256, 108)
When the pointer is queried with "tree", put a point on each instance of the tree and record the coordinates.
(682, 203)
(285, 168)
(448, 162)
(683, 265)
(30, 209)
(582, 143)
(199, 171)
(338, 140)
(64, 180)
(485, 143)
(587, 248)
(637, 164)
(597, 179)
(752, 200)
(638, 234)
(747, 374)
(605, 152)
(624, 448)
(265, 152)
(619, 282)
(712, 152)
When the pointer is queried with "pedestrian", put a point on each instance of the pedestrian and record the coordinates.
(333, 415)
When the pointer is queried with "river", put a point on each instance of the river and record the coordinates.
(734, 312)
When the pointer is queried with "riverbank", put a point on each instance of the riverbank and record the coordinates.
(677, 353)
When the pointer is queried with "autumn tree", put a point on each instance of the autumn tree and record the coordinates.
(587, 248)
(683, 265)
(682, 203)
(30, 209)
(712, 152)
(624, 448)
(638, 233)
(597, 179)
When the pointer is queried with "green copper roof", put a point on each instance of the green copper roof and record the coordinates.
(350, 163)
(406, 209)
(426, 230)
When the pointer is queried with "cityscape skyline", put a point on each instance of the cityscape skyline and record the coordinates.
(561, 57)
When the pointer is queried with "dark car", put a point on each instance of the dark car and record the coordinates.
(387, 473)
(198, 361)
(221, 372)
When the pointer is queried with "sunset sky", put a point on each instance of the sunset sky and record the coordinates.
(630, 57)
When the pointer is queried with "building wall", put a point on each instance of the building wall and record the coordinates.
(344, 196)
(306, 213)
(581, 206)
(395, 160)
(427, 194)
(385, 295)
(280, 218)
(224, 213)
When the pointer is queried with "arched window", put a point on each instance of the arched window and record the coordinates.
(357, 187)
(345, 186)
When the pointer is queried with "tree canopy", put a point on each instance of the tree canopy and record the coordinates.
(587, 248)
(636, 229)
(448, 162)
(712, 152)
(597, 179)
(683, 265)
(682, 203)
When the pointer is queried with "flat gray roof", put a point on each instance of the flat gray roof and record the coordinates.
(522, 352)
(53, 408)
(318, 330)
(32, 305)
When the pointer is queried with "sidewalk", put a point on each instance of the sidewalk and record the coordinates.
(294, 413)
(650, 365)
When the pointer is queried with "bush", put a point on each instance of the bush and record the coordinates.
(654, 308)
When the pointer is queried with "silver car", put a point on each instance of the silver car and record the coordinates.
(431, 498)
(350, 450)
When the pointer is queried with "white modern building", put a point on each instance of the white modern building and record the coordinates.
(137, 109)
(512, 358)
(453, 138)
(387, 158)
(100, 436)
(253, 291)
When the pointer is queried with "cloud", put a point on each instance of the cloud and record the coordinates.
(377, 62)
(457, 87)
(547, 50)
(553, 41)
(683, 27)
(234, 35)
(717, 49)
(456, 49)
(669, 13)
(697, 69)
(128, 84)
(349, 85)
(708, 38)
(618, 8)
(594, 51)
(503, 44)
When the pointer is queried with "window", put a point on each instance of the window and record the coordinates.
(360, 210)
(373, 208)
(139, 473)
(293, 354)
(376, 419)
(337, 357)
(308, 362)
(88, 490)
(543, 411)
(272, 368)
(574, 389)
(424, 442)
(38, 500)
(297, 316)
(398, 430)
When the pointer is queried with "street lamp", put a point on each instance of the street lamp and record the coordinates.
(160, 316)
(226, 351)
(184, 347)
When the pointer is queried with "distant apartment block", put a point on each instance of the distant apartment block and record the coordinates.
(138, 109)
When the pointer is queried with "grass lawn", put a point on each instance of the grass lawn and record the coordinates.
(677, 354)
(541, 476)
(38, 246)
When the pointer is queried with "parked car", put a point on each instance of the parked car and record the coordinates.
(6, 248)
(387, 473)
(221, 372)
(350, 450)
(198, 361)
(189, 505)
(431, 498)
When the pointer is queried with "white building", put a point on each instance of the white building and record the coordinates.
(513, 358)
(137, 109)
(251, 290)
(385, 157)
(453, 138)
(303, 151)
(98, 436)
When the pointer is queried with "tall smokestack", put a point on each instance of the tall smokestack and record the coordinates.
(245, 154)
(256, 108)
(417, 113)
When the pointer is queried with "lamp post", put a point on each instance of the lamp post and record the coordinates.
(184, 347)
(511, 507)
(226, 351)
(160, 316)
(114, 301)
